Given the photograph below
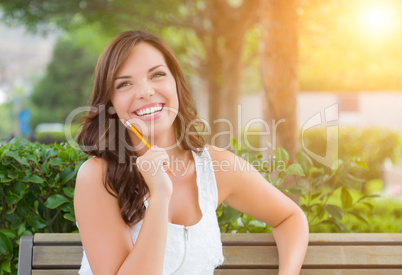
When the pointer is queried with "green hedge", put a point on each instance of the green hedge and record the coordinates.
(37, 181)
(317, 188)
(370, 145)
(36, 193)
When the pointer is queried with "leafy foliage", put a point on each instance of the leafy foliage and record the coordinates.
(36, 193)
(316, 186)
(369, 145)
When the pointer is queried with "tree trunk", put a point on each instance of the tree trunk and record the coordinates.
(279, 51)
(224, 88)
(223, 64)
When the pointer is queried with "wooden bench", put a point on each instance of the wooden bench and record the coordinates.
(334, 253)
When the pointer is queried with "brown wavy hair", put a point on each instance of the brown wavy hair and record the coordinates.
(103, 135)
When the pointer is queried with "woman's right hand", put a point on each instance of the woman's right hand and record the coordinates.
(153, 166)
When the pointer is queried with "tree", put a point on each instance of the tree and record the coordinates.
(279, 62)
(66, 85)
(219, 26)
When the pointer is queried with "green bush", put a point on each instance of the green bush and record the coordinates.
(372, 146)
(317, 188)
(36, 193)
(37, 181)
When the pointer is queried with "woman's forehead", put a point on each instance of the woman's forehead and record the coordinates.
(141, 58)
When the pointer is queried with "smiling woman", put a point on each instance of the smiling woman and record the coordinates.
(138, 219)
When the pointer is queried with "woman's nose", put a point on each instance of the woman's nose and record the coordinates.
(146, 92)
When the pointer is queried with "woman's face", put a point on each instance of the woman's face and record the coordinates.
(145, 92)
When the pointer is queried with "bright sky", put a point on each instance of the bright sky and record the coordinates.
(377, 18)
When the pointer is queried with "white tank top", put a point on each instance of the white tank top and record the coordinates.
(195, 249)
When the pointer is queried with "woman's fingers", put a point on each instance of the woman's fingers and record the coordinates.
(154, 159)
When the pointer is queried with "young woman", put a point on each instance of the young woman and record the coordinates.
(133, 216)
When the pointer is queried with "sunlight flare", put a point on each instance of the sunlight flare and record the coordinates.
(377, 19)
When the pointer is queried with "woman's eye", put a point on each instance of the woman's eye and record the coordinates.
(159, 74)
(123, 84)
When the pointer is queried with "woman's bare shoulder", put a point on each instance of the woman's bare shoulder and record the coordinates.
(91, 175)
(219, 154)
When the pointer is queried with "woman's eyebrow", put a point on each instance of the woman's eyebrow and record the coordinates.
(126, 76)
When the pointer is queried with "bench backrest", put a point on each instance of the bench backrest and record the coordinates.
(333, 253)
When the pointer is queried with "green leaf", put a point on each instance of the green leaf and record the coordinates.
(9, 233)
(22, 160)
(12, 199)
(33, 178)
(315, 195)
(321, 213)
(6, 266)
(229, 215)
(69, 191)
(64, 156)
(295, 169)
(21, 229)
(19, 188)
(296, 190)
(70, 217)
(368, 196)
(36, 222)
(369, 205)
(4, 179)
(55, 201)
(279, 181)
(67, 175)
(36, 207)
(361, 164)
(235, 145)
(56, 161)
(351, 181)
(359, 216)
(304, 160)
(341, 227)
(346, 197)
(315, 171)
(32, 158)
(281, 155)
(334, 211)
(6, 248)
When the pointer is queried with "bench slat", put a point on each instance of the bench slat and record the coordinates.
(318, 256)
(256, 238)
(258, 256)
(55, 271)
(309, 271)
(67, 257)
(255, 272)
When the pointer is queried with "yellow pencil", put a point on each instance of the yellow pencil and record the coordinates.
(143, 140)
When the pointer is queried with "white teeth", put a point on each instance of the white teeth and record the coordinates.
(149, 111)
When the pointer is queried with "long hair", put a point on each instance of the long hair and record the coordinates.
(103, 135)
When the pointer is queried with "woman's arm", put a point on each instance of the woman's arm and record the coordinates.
(105, 236)
(242, 187)
(291, 237)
